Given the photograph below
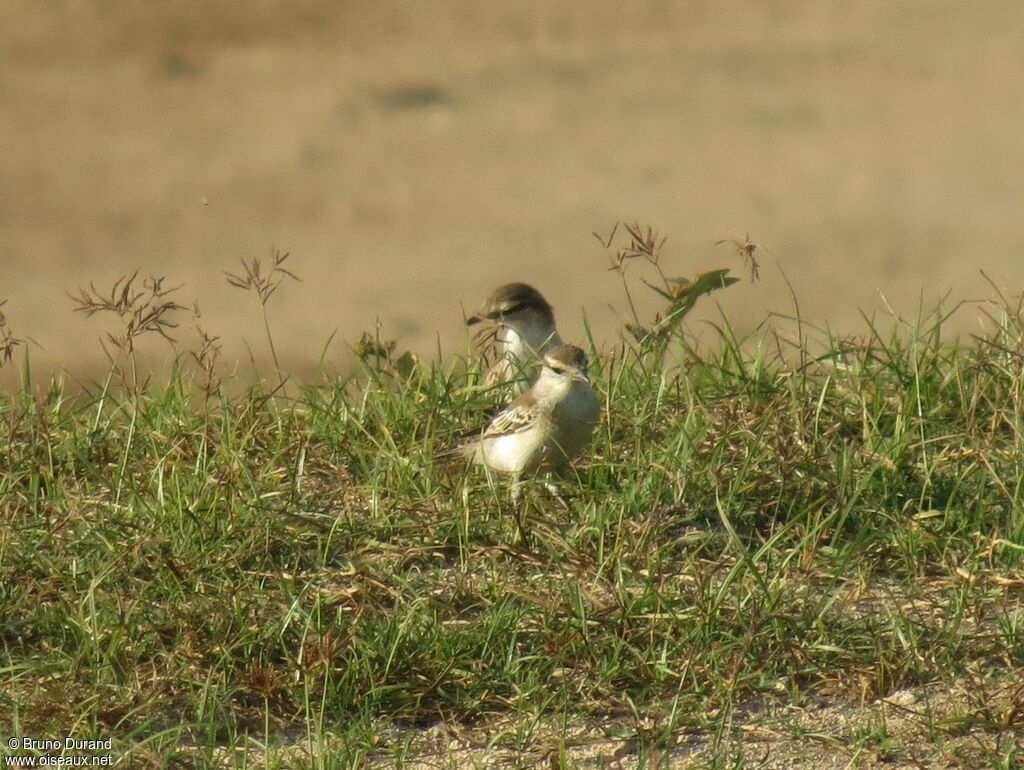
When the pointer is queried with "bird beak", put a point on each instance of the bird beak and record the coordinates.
(582, 376)
(480, 317)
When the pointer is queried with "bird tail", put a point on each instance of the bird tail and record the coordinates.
(465, 449)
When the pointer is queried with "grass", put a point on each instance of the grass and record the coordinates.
(291, 580)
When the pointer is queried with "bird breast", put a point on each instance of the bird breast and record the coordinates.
(526, 339)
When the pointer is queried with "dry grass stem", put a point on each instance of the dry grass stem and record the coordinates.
(264, 280)
(8, 342)
(745, 249)
(141, 310)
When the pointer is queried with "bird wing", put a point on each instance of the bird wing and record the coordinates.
(519, 416)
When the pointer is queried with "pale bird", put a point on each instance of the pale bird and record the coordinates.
(546, 427)
(522, 325)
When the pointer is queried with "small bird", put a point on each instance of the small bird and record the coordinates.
(522, 325)
(547, 426)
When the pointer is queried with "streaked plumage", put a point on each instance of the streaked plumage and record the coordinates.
(545, 428)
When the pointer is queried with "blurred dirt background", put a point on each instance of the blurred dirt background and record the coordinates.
(411, 156)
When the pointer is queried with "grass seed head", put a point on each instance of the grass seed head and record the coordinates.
(8, 342)
(142, 310)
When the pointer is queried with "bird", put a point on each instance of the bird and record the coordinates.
(522, 325)
(546, 427)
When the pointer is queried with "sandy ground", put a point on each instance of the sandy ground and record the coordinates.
(411, 156)
(937, 726)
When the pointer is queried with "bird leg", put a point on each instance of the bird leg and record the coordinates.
(517, 490)
(517, 509)
(552, 487)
